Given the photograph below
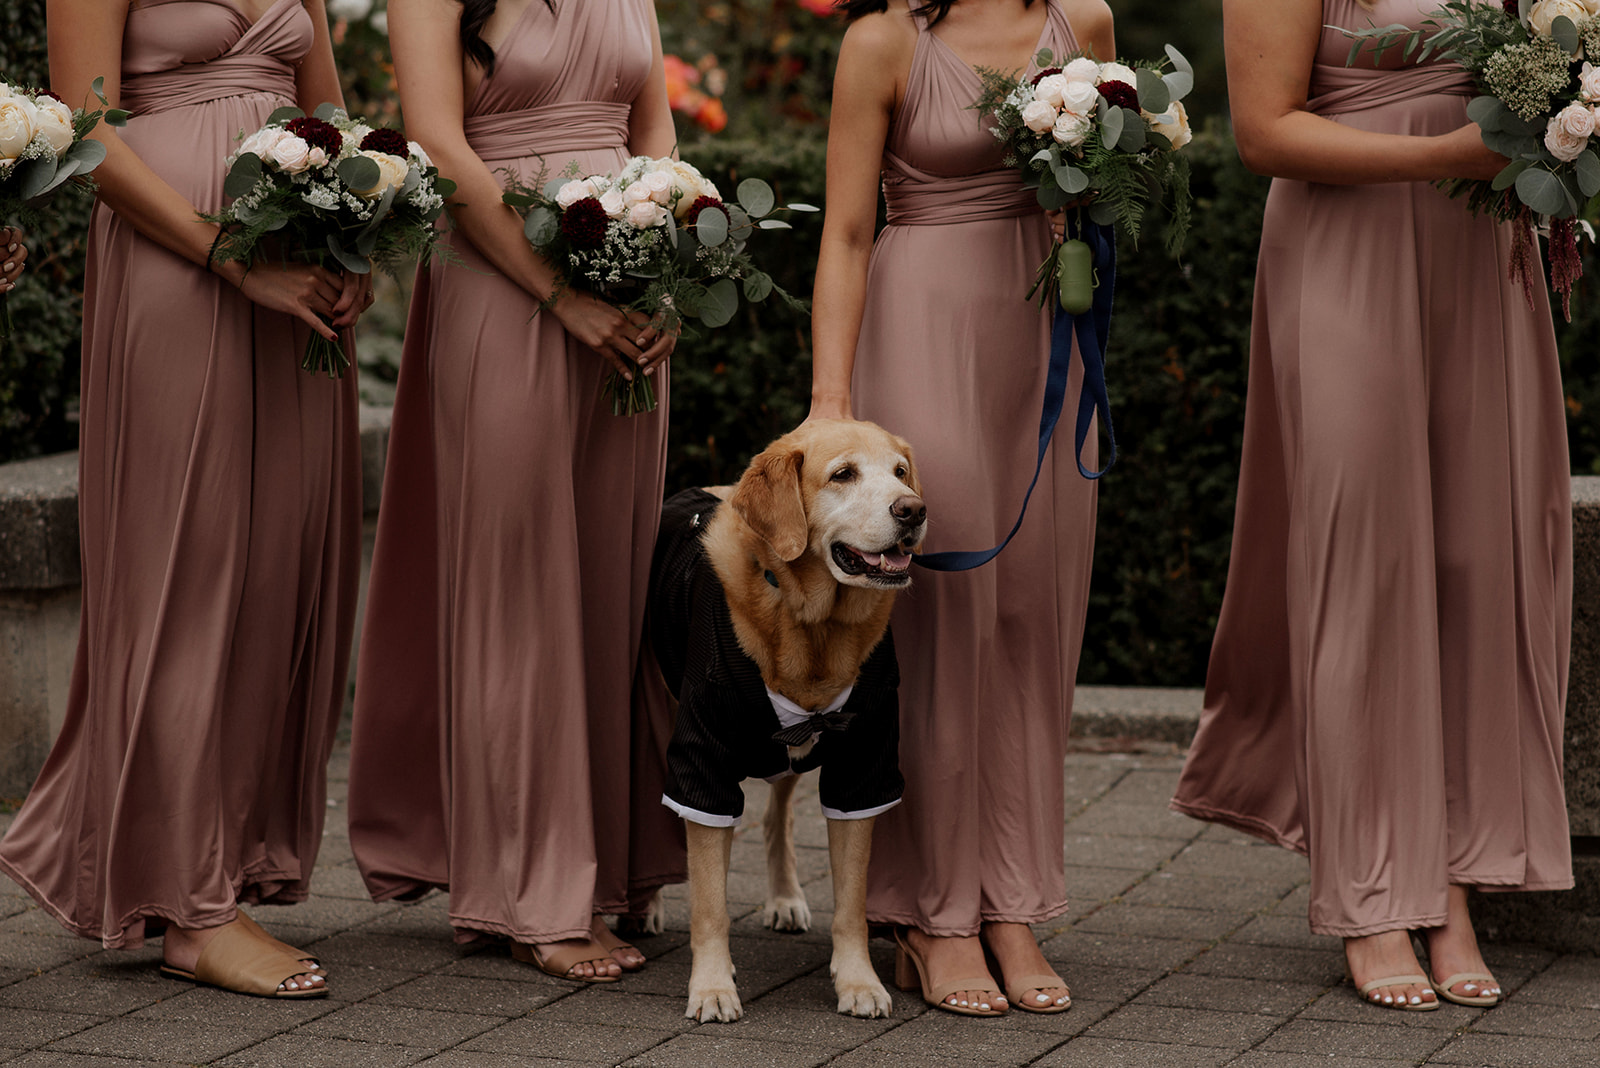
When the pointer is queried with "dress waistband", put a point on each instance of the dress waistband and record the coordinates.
(1339, 90)
(916, 198)
(570, 127)
(200, 83)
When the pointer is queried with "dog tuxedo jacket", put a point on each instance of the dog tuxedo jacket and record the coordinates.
(728, 728)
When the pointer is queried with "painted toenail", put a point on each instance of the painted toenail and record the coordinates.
(1043, 998)
(984, 1006)
(1415, 1000)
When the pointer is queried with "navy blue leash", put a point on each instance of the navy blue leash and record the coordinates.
(1092, 330)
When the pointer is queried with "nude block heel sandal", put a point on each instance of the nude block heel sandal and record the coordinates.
(909, 972)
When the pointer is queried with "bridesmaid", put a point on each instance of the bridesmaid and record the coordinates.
(15, 255)
(219, 510)
(929, 327)
(492, 742)
(1390, 667)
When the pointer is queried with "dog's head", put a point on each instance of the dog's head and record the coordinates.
(844, 491)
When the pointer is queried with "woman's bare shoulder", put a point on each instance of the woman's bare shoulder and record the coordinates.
(1090, 21)
(888, 36)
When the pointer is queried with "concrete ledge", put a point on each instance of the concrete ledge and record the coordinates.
(1582, 754)
(1146, 714)
(39, 523)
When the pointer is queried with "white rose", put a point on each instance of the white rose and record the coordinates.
(659, 187)
(1563, 145)
(261, 142)
(1081, 69)
(53, 119)
(17, 117)
(391, 171)
(1544, 13)
(1081, 98)
(611, 201)
(1071, 129)
(1173, 124)
(418, 154)
(289, 153)
(635, 193)
(574, 191)
(645, 214)
(1589, 82)
(1050, 89)
(316, 158)
(1576, 120)
(1039, 117)
(1117, 72)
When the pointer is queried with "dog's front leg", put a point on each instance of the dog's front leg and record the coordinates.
(786, 908)
(711, 992)
(860, 991)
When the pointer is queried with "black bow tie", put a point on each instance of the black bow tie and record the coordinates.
(801, 732)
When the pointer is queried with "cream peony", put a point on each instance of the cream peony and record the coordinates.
(1544, 13)
(391, 171)
(1562, 143)
(53, 119)
(1050, 90)
(1039, 117)
(1081, 98)
(1589, 83)
(1071, 129)
(612, 203)
(645, 214)
(1081, 70)
(574, 191)
(17, 120)
(1118, 72)
(1173, 124)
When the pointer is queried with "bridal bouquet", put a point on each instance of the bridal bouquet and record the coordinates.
(43, 145)
(1097, 138)
(328, 186)
(1540, 108)
(657, 238)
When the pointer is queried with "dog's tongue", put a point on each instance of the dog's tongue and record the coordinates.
(897, 561)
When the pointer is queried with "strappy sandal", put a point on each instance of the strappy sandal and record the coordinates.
(607, 939)
(1024, 983)
(560, 962)
(1399, 980)
(910, 972)
(1477, 1001)
(238, 959)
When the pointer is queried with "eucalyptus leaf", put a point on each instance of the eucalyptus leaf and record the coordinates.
(720, 303)
(672, 230)
(1587, 170)
(800, 206)
(739, 225)
(1179, 63)
(350, 261)
(1179, 84)
(368, 240)
(1102, 212)
(1154, 96)
(1132, 138)
(1052, 196)
(444, 186)
(1508, 174)
(358, 172)
(756, 197)
(1044, 58)
(757, 287)
(711, 227)
(1486, 111)
(284, 114)
(1051, 155)
(413, 179)
(33, 176)
(1511, 122)
(541, 226)
(326, 111)
(1158, 139)
(1111, 125)
(774, 224)
(1565, 34)
(1543, 192)
(1511, 145)
(86, 154)
(116, 117)
(243, 175)
(1070, 179)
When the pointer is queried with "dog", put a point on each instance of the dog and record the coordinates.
(769, 614)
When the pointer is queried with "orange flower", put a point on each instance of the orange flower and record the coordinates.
(712, 115)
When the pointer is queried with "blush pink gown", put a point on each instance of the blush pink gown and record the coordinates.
(220, 513)
(953, 356)
(493, 740)
(1388, 678)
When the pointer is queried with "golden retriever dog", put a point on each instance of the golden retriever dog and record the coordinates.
(769, 614)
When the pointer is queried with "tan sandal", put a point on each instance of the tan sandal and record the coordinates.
(910, 972)
(1399, 980)
(299, 954)
(608, 940)
(1480, 1001)
(560, 962)
(238, 959)
(1015, 990)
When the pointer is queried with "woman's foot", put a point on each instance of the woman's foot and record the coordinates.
(627, 957)
(1018, 955)
(582, 960)
(947, 958)
(1388, 955)
(1453, 952)
(181, 948)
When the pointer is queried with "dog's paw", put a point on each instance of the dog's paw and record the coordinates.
(714, 1004)
(863, 999)
(653, 922)
(787, 913)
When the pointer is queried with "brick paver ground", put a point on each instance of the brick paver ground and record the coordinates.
(1186, 947)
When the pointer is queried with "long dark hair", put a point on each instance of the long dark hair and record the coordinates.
(474, 13)
(934, 10)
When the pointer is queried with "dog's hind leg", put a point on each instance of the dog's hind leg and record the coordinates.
(861, 992)
(785, 908)
(711, 991)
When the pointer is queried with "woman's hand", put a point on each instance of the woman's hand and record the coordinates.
(1474, 159)
(626, 339)
(13, 255)
(355, 297)
(306, 292)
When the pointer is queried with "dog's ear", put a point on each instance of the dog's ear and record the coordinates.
(768, 499)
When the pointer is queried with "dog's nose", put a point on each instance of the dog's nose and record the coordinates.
(909, 510)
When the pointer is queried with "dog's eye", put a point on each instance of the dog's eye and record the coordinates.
(844, 474)
(900, 471)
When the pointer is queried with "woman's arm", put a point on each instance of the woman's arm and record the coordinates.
(86, 43)
(1092, 26)
(1270, 48)
(868, 82)
(425, 41)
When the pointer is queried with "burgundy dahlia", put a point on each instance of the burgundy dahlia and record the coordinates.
(317, 134)
(1511, 7)
(584, 223)
(1042, 75)
(388, 141)
(701, 204)
(1120, 94)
